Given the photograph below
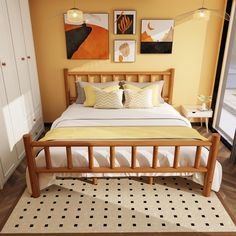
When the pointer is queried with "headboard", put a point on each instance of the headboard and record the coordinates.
(70, 77)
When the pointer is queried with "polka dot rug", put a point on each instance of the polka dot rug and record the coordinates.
(120, 205)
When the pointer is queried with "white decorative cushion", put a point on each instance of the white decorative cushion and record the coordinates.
(138, 99)
(143, 85)
(109, 100)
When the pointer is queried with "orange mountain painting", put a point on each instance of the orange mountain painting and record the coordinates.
(89, 40)
(157, 36)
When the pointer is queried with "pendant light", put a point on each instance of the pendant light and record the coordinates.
(204, 13)
(75, 15)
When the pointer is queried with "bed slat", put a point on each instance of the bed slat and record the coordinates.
(91, 161)
(122, 170)
(48, 158)
(90, 79)
(134, 152)
(140, 78)
(152, 79)
(155, 157)
(198, 157)
(112, 157)
(103, 79)
(176, 157)
(69, 157)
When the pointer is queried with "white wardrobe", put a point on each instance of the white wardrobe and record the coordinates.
(20, 105)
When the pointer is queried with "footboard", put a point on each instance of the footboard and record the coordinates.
(34, 171)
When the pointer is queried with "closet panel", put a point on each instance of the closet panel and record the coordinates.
(7, 56)
(8, 155)
(20, 106)
(16, 102)
(14, 13)
(29, 42)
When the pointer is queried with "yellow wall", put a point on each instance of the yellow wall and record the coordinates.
(194, 56)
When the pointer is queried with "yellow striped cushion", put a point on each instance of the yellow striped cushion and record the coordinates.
(90, 93)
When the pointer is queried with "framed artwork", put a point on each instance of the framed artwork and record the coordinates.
(157, 36)
(124, 50)
(124, 22)
(89, 40)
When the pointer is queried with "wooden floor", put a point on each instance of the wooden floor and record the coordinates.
(16, 185)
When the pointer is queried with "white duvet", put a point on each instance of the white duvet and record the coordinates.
(165, 115)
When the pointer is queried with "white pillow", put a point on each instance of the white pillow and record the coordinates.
(138, 99)
(109, 100)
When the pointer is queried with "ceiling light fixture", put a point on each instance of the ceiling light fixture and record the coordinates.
(204, 13)
(75, 15)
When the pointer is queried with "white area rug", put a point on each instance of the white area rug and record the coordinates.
(120, 205)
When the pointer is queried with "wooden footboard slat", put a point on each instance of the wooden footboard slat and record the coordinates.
(112, 157)
(155, 157)
(91, 161)
(69, 158)
(133, 157)
(198, 157)
(176, 157)
(122, 170)
(48, 157)
(123, 143)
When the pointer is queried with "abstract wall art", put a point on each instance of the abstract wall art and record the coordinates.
(89, 40)
(124, 50)
(124, 22)
(157, 36)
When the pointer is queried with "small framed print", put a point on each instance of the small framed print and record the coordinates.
(157, 36)
(124, 51)
(124, 22)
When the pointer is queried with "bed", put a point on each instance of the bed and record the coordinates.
(122, 155)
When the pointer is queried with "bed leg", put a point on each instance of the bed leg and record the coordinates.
(31, 164)
(211, 165)
(150, 180)
(95, 181)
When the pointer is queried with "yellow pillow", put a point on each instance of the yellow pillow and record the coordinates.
(155, 91)
(90, 93)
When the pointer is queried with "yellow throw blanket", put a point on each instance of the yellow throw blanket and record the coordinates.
(130, 132)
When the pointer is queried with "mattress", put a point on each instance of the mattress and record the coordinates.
(164, 115)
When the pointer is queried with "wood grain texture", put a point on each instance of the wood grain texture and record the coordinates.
(16, 185)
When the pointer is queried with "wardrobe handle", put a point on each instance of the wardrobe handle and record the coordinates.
(34, 120)
(22, 58)
(4, 64)
(28, 57)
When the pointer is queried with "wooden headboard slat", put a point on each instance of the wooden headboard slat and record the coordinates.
(140, 76)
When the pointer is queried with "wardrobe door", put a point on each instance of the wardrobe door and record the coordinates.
(16, 102)
(29, 42)
(8, 155)
(14, 13)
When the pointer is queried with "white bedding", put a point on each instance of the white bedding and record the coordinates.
(78, 115)
(165, 115)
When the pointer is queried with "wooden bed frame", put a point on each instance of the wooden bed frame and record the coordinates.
(168, 77)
